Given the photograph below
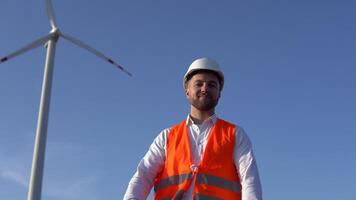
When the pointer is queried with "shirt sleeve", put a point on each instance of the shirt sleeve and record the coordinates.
(246, 166)
(151, 164)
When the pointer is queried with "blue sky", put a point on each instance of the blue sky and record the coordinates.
(290, 71)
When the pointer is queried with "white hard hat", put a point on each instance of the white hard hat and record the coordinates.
(204, 64)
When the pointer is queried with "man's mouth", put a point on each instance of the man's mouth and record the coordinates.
(204, 96)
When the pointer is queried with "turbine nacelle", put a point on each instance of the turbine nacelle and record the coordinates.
(54, 34)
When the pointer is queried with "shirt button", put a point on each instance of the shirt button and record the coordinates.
(194, 168)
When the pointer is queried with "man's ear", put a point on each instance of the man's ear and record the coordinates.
(186, 92)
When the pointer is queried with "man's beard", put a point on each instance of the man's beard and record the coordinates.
(206, 105)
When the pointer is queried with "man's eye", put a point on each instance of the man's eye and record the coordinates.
(212, 85)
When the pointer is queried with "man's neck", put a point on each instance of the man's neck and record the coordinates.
(199, 116)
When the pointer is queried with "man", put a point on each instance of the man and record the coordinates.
(203, 157)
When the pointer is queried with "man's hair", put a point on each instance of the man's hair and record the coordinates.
(189, 76)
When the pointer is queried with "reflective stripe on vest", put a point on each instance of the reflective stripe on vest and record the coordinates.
(201, 179)
(173, 180)
(196, 197)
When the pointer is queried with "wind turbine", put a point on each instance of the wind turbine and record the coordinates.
(35, 186)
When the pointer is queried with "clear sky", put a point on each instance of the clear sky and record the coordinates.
(290, 70)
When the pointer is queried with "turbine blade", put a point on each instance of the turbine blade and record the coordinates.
(94, 51)
(50, 13)
(28, 47)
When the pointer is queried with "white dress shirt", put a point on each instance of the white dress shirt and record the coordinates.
(142, 181)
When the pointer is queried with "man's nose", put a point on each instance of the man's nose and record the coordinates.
(204, 87)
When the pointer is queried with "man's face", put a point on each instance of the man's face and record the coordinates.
(203, 91)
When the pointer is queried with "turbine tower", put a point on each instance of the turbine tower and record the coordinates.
(35, 186)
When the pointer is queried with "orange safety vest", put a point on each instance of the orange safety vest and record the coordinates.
(215, 177)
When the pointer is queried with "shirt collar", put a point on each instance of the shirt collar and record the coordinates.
(211, 120)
